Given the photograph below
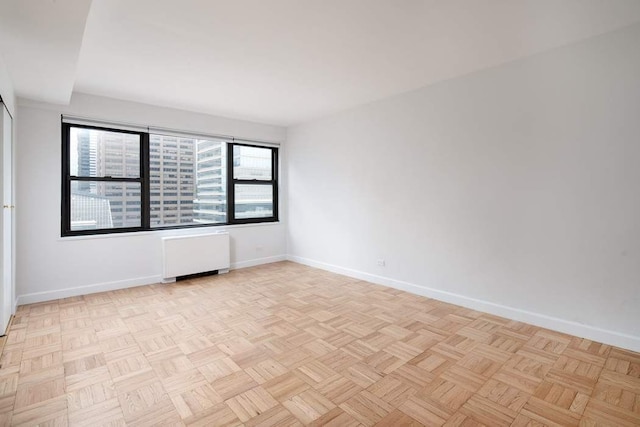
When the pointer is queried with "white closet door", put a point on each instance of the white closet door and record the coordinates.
(6, 230)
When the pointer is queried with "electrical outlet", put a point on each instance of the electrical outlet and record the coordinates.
(381, 263)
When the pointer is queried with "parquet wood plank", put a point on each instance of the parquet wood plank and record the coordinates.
(104, 413)
(549, 414)
(504, 394)
(447, 393)
(366, 408)
(277, 416)
(337, 389)
(398, 418)
(285, 386)
(251, 403)
(314, 372)
(603, 413)
(488, 412)
(219, 415)
(32, 393)
(91, 395)
(52, 412)
(308, 406)
(426, 411)
(362, 374)
(219, 368)
(392, 390)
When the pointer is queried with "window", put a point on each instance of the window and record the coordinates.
(104, 185)
(202, 200)
(121, 181)
(253, 189)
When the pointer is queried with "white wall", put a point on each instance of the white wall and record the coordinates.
(52, 267)
(6, 87)
(515, 190)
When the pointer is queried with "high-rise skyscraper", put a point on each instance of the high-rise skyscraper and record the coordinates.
(172, 180)
(118, 155)
(86, 153)
(211, 182)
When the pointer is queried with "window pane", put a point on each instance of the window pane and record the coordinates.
(95, 152)
(188, 182)
(96, 205)
(253, 201)
(251, 163)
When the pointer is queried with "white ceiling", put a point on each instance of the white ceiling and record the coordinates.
(40, 42)
(279, 61)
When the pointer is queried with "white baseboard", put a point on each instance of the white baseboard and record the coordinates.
(258, 261)
(85, 290)
(122, 284)
(566, 326)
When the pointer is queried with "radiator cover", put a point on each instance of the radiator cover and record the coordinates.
(185, 255)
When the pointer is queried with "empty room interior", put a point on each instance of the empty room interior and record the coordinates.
(320, 212)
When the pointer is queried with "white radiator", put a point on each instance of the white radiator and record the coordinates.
(184, 255)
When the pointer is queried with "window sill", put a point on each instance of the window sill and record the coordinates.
(169, 232)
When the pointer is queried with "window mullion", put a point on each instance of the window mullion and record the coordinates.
(231, 216)
(66, 182)
(105, 179)
(253, 181)
(274, 176)
(145, 203)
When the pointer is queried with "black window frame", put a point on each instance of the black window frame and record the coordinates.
(232, 181)
(144, 180)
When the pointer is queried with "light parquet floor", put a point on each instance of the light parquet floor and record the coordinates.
(285, 345)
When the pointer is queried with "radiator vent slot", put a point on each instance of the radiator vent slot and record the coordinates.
(193, 255)
(196, 275)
